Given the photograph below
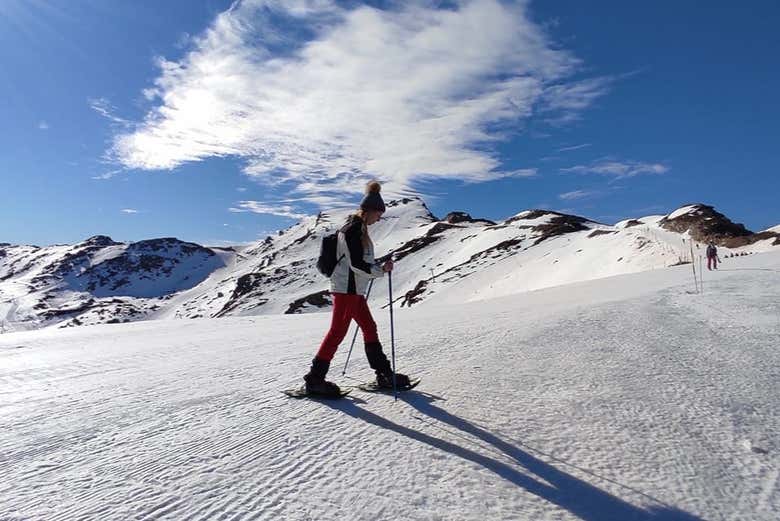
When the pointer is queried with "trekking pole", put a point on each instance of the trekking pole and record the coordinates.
(368, 293)
(392, 331)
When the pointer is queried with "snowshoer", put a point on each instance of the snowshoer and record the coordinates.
(354, 268)
(712, 256)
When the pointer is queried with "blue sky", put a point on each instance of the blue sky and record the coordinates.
(219, 125)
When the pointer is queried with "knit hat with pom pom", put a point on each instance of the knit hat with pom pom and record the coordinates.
(372, 200)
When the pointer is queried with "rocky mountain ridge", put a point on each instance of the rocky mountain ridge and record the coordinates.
(454, 259)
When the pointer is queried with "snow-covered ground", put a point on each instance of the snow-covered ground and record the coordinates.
(624, 398)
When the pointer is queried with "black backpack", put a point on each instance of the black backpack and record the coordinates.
(327, 261)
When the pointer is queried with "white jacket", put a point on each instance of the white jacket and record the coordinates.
(356, 265)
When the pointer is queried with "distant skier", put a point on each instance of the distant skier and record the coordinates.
(712, 256)
(348, 283)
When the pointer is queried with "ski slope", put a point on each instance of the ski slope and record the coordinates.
(623, 398)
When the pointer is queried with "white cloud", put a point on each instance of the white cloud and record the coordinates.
(270, 208)
(618, 169)
(129, 210)
(574, 147)
(104, 107)
(565, 102)
(405, 94)
(108, 175)
(43, 125)
(520, 172)
(577, 194)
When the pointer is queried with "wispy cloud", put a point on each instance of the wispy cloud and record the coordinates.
(564, 103)
(43, 125)
(108, 175)
(404, 94)
(523, 172)
(129, 211)
(618, 169)
(104, 107)
(269, 208)
(578, 194)
(520, 172)
(575, 147)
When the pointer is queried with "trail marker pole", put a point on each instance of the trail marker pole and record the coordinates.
(701, 273)
(693, 265)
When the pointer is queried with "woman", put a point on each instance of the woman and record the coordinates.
(712, 256)
(348, 285)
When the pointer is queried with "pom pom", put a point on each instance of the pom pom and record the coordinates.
(373, 187)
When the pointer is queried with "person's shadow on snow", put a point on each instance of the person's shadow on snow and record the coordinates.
(568, 492)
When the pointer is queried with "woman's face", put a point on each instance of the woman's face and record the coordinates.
(372, 216)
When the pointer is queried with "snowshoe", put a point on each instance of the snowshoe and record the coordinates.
(303, 392)
(380, 385)
(385, 380)
(316, 386)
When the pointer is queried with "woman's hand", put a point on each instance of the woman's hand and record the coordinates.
(387, 266)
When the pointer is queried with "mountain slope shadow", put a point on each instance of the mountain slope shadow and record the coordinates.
(578, 497)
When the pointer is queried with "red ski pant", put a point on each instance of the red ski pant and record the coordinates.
(345, 308)
(712, 262)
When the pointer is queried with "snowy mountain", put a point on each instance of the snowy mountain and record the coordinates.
(773, 229)
(704, 224)
(454, 259)
(628, 398)
(97, 280)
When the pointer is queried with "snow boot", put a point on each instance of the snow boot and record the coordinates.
(385, 381)
(381, 366)
(315, 380)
